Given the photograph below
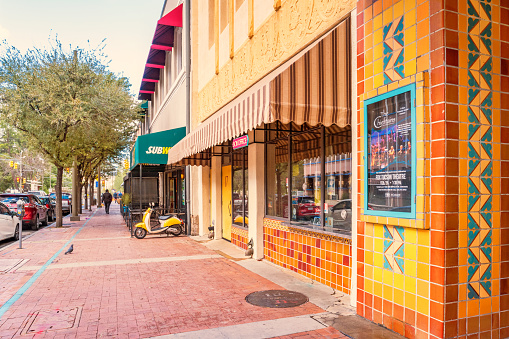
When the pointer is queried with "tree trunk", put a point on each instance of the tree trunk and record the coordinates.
(58, 192)
(80, 204)
(86, 194)
(91, 192)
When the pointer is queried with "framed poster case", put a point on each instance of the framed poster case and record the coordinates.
(389, 154)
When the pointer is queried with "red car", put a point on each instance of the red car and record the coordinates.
(306, 208)
(35, 211)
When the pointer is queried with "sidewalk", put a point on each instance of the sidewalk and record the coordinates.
(113, 285)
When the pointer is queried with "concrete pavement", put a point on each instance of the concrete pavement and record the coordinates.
(113, 285)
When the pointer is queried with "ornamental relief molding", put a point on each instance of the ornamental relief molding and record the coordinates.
(294, 26)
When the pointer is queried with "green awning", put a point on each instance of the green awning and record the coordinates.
(152, 149)
(144, 105)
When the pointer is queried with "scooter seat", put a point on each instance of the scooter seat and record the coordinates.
(165, 217)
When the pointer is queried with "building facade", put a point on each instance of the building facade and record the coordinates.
(166, 102)
(362, 144)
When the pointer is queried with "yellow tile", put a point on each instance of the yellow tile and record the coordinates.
(423, 271)
(423, 288)
(423, 46)
(410, 236)
(377, 22)
(379, 232)
(410, 53)
(410, 284)
(379, 259)
(368, 243)
(419, 114)
(368, 56)
(410, 268)
(410, 250)
(368, 271)
(410, 300)
(423, 237)
(399, 281)
(369, 229)
(420, 168)
(423, 305)
(368, 41)
(387, 16)
(368, 285)
(423, 254)
(388, 277)
(409, 5)
(377, 289)
(398, 9)
(410, 67)
(379, 245)
(368, 257)
(411, 37)
(378, 66)
(368, 71)
(387, 292)
(378, 274)
(379, 80)
(378, 37)
(399, 297)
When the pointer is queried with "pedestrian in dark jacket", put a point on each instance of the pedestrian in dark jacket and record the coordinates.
(106, 199)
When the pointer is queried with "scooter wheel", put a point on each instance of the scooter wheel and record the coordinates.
(140, 233)
(177, 232)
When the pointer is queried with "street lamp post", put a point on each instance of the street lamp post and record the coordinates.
(20, 209)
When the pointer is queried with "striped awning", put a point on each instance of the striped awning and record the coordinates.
(315, 90)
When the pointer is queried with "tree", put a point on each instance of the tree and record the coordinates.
(55, 96)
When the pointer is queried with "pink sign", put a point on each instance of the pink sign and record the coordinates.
(240, 142)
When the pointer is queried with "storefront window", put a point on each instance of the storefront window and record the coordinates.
(277, 178)
(338, 171)
(306, 178)
(240, 188)
(300, 153)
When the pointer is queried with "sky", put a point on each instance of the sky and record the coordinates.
(127, 25)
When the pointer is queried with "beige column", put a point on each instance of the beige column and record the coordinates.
(256, 203)
(204, 206)
(215, 196)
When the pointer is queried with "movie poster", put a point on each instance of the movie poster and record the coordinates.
(389, 128)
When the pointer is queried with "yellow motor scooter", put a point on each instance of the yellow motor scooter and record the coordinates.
(166, 224)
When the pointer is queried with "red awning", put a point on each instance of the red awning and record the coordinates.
(161, 43)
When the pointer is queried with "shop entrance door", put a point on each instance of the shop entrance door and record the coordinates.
(226, 184)
(172, 193)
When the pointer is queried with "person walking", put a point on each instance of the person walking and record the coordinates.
(106, 199)
(115, 196)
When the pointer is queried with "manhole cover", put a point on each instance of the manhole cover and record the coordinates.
(277, 298)
(51, 320)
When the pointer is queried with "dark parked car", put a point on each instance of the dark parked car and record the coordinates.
(35, 211)
(66, 201)
(51, 204)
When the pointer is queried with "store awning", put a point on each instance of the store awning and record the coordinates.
(315, 90)
(161, 43)
(152, 149)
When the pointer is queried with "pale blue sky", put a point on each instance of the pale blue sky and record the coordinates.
(127, 25)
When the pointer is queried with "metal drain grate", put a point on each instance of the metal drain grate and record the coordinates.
(277, 298)
(51, 320)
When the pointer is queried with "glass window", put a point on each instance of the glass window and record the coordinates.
(239, 188)
(338, 174)
(302, 151)
(306, 178)
(4, 209)
(277, 178)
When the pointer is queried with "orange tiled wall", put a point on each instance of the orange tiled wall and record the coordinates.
(451, 276)
(321, 257)
(239, 237)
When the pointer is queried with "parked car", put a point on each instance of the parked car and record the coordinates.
(38, 193)
(9, 223)
(35, 211)
(66, 201)
(306, 208)
(51, 204)
(342, 214)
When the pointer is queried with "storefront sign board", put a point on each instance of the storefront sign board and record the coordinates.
(240, 142)
(390, 158)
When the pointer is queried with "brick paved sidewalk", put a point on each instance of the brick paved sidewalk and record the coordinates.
(113, 285)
